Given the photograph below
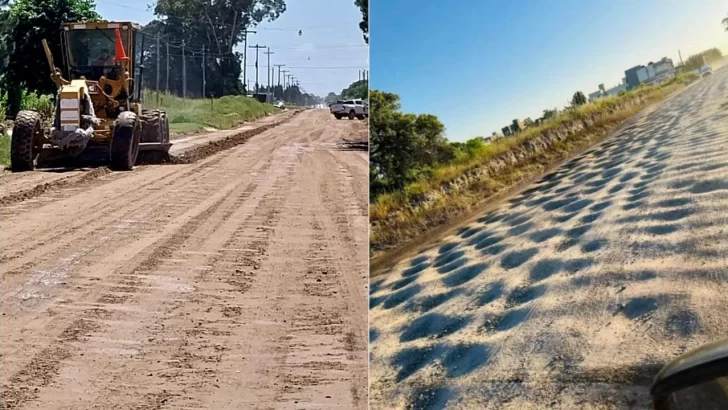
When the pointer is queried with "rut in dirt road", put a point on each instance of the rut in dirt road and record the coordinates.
(238, 281)
(574, 293)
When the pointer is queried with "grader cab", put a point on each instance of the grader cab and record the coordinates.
(99, 101)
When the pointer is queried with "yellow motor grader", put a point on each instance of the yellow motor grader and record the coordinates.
(99, 101)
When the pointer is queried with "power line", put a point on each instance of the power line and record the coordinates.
(165, 39)
(225, 25)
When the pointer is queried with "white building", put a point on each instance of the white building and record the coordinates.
(655, 73)
(602, 92)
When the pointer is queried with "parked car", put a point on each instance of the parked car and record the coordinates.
(350, 108)
(279, 104)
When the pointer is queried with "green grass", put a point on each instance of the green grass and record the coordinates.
(396, 217)
(4, 150)
(188, 116)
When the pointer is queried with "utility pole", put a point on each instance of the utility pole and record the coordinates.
(158, 51)
(184, 72)
(293, 95)
(257, 48)
(245, 57)
(279, 72)
(268, 53)
(203, 72)
(285, 73)
(166, 87)
(680, 54)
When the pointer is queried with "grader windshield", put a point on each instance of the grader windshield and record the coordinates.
(90, 50)
(91, 53)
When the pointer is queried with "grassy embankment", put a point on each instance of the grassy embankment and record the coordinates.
(399, 216)
(189, 116)
(186, 116)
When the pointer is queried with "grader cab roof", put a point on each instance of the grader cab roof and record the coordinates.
(101, 25)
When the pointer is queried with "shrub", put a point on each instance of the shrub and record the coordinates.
(43, 104)
(3, 106)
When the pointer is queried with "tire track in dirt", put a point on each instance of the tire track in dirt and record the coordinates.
(43, 367)
(322, 352)
(185, 299)
(91, 246)
(344, 226)
(204, 340)
(99, 218)
(130, 195)
(189, 157)
(130, 279)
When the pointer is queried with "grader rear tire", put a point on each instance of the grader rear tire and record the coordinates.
(152, 126)
(25, 145)
(125, 139)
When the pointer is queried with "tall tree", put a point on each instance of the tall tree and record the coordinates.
(331, 98)
(35, 20)
(578, 99)
(403, 147)
(549, 114)
(215, 26)
(725, 23)
(6, 29)
(358, 89)
(364, 24)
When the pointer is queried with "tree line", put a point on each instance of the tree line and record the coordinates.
(694, 62)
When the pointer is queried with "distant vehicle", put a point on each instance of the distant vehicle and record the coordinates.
(706, 70)
(279, 104)
(356, 108)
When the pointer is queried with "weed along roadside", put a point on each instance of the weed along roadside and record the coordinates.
(453, 190)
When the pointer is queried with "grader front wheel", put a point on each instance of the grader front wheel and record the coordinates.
(125, 142)
(26, 141)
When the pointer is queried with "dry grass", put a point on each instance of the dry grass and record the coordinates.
(395, 219)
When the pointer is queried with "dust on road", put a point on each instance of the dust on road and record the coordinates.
(238, 281)
(574, 293)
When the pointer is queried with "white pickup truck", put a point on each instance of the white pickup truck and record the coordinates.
(350, 108)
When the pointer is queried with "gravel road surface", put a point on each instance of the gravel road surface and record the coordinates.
(237, 281)
(575, 292)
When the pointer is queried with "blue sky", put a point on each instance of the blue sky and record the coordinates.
(327, 57)
(479, 64)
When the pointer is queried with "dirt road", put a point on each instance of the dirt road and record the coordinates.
(574, 293)
(238, 281)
